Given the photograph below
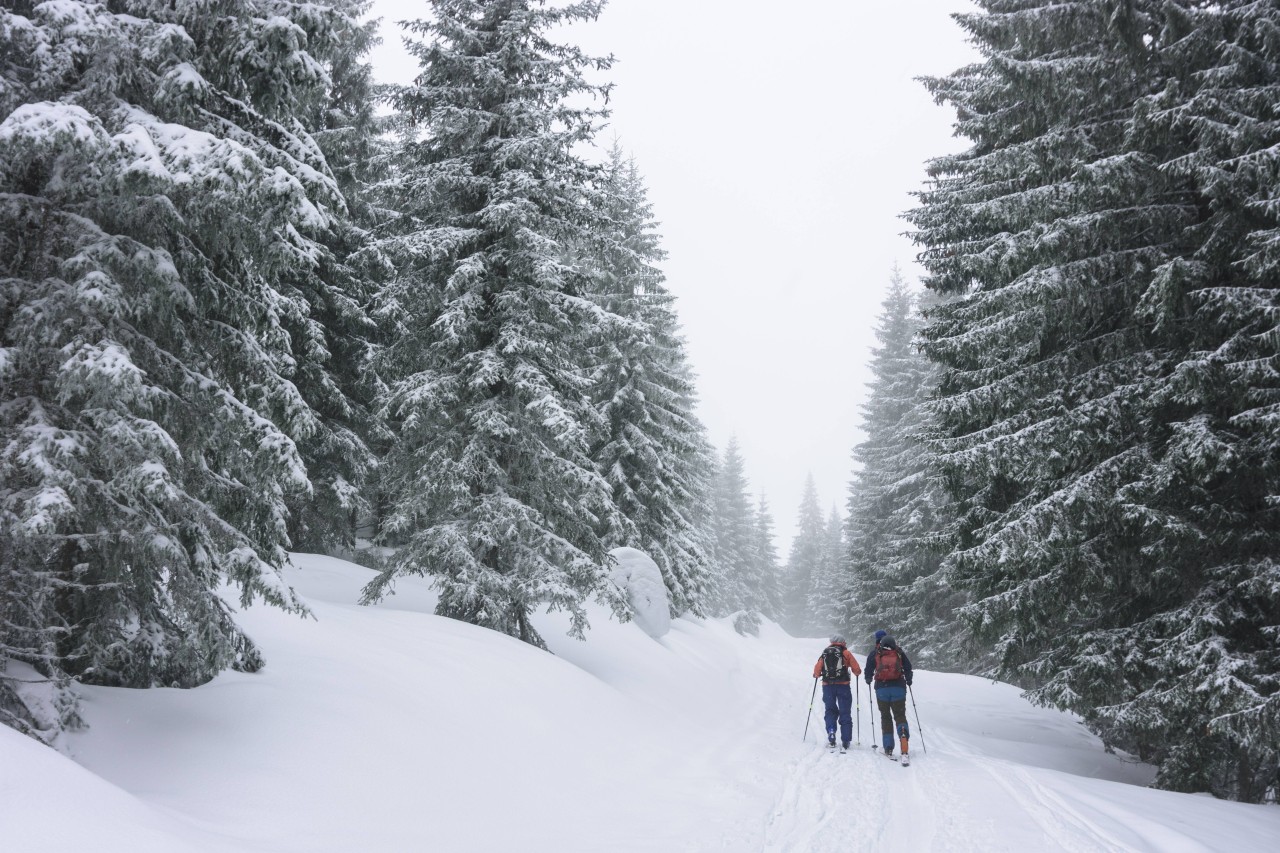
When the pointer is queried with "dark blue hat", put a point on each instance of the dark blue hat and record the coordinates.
(880, 635)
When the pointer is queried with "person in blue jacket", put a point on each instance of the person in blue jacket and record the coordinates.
(890, 669)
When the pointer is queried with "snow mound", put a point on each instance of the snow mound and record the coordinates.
(639, 576)
(51, 804)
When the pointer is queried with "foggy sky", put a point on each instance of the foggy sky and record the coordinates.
(780, 143)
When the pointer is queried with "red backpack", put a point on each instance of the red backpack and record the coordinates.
(888, 665)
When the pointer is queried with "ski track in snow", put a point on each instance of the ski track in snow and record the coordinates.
(1056, 820)
(1059, 821)
(1062, 825)
(828, 801)
(861, 800)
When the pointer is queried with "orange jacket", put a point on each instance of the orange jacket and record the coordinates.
(849, 661)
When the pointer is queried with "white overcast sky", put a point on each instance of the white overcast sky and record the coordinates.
(780, 143)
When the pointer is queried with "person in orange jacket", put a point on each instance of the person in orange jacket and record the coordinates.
(836, 667)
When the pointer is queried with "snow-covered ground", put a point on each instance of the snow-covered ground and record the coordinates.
(390, 729)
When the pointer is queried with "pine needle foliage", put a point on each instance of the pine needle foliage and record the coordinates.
(490, 481)
(1110, 388)
(168, 233)
(900, 515)
(653, 451)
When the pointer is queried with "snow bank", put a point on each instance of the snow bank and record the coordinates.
(50, 804)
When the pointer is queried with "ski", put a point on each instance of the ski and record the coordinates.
(906, 761)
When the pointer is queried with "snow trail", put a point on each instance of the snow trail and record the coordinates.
(964, 795)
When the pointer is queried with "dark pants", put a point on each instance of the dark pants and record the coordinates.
(839, 701)
(892, 702)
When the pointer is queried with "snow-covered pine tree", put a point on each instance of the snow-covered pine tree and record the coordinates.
(339, 458)
(164, 227)
(899, 512)
(491, 485)
(831, 577)
(347, 127)
(733, 524)
(1110, 391)
(766, 581)
(654, 451)
(757, 578)
(1215, 478)
(802, 599)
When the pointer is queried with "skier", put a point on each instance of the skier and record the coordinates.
(890, 668)
(833, 667)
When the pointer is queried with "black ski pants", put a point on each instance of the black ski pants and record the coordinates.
(892, 702)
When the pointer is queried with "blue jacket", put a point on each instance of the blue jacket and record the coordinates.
(869, 671)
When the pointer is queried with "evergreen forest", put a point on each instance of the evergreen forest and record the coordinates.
(254, 302)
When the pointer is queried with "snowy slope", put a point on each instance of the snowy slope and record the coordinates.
(389, 729)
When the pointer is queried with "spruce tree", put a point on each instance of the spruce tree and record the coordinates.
(765, 576)
(490, 480)
(168, 229)
(831, 577)
(1110, 389)
(734, 526)
(804, 562)
(654, 452)
(338, 362)
(900, 515)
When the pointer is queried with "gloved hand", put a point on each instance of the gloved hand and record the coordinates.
(908, 681)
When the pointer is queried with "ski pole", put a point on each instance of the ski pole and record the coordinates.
(871, 715)
(919, 727)
(858, 728)
(810, 717)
